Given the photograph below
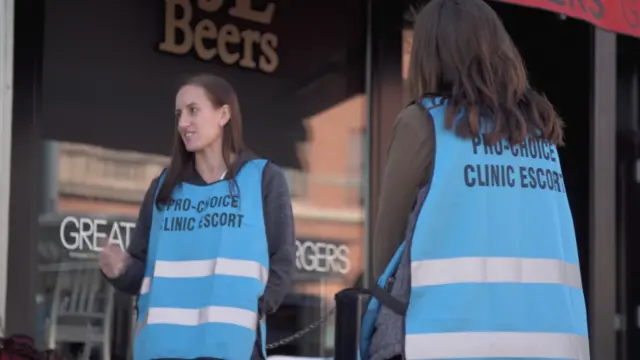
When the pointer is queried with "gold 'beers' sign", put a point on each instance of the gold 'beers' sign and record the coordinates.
(247, 48)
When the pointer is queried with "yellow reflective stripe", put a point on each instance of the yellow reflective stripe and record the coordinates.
(494, 270)
(503, 345)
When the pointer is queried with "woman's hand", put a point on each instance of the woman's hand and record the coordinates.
(113, 260)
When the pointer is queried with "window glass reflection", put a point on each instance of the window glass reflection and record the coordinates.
(93, 193)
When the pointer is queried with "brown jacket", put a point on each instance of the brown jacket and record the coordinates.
(409, 167)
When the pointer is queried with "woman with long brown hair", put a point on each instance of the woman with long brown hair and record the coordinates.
(213, 249)
(474, 221)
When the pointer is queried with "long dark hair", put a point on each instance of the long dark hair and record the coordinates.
(220, 93)
(462, 51)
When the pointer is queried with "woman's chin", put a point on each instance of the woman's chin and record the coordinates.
(192, 147)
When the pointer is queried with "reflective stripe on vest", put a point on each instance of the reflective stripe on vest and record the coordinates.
(203, 268)
(196, 317)
(494, 270)
(497, 345)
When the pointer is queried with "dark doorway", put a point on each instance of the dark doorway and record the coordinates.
(628, 196)
(557, 53)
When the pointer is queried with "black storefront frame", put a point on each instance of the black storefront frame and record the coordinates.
(627, 205)
(384, 95)
(384, 99)
(602, 193)
(26, 168)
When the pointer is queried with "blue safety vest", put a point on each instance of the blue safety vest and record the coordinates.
(207, 266)
(494, 260)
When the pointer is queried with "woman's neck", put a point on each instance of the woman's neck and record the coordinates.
(210, 165)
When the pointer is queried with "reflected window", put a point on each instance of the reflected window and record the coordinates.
(94, 193)
(297, 181)
(108, 131)
(329, 218)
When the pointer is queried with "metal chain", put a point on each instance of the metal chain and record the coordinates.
(302, 332)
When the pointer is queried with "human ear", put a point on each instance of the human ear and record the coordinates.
(225, 115)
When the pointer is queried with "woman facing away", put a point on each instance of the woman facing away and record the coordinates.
(213, 249)
(476, 227)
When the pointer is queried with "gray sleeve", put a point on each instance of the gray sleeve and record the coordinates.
(131, 280)
(278, 217)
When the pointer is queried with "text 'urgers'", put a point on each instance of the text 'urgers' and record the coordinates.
(213, 212)
(228, 42)
(537, 176)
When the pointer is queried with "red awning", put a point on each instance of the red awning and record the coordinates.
(622, 16)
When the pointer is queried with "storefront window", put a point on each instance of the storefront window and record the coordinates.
(107, 128)
(93, 193)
